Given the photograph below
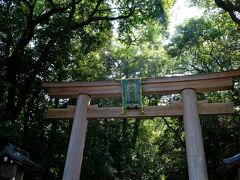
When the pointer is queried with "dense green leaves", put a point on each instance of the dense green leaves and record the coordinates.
(100, 40)
(230, 7)
(206, 45)
(211, 44)
(59, 41)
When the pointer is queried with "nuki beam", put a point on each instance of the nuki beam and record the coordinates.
(165, 85)
(189, 108)
(174, 109)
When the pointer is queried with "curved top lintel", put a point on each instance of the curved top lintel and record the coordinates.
(164, 85)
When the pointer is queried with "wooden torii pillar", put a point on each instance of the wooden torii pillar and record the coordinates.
(189, 108)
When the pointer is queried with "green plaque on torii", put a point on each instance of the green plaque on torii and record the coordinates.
(131, 94)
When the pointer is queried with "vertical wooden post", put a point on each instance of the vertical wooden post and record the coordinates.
(20, 173)
(238, 174)
(76, 144)
(197, 168)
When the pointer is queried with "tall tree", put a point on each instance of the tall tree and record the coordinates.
(232, 7)
(44, 25)
(207, 44)
(56, 40)
(211, 44)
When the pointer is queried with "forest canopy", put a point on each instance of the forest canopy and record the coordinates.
(79, 40)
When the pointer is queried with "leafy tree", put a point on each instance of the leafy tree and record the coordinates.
(139, 54)
(56, 41)
(132, 148)
(210, 44)
(231, 7)
(206, 45)
(76, 40)
(34, 32)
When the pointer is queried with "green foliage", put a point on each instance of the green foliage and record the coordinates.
(63, 41)
(66, 41)
(211, 44)
(139, 54)
(133, 149)
(231, 7)
(206, 45)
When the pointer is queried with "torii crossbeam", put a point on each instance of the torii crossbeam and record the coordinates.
(189, 108)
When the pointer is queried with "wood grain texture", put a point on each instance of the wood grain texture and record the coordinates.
(174, 109)
(197, 168)
(73, 162)
(165, 85)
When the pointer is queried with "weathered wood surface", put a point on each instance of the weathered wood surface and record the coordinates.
(166, 85)
(197, 168)
(172, 110)
(73, 162)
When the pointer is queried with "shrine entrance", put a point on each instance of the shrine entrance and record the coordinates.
(189, 108)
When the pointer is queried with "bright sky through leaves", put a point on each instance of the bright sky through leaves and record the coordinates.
(181, 12)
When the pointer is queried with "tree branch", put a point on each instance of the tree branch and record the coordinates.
(72, 10)
(48, 14)
(95, 9)
(100, 18)
(230, 8)
(175, 132)
(93, 18)
(234, 17)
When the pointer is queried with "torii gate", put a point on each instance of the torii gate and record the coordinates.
(187, 86)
